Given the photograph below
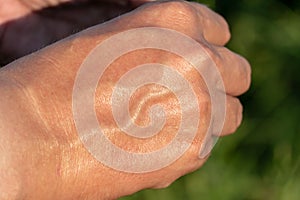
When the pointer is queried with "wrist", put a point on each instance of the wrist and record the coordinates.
(10, 187)
(28, 156)
(10, 177)
(43, 162)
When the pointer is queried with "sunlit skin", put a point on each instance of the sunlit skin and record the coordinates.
(41, 154)
(44, 22)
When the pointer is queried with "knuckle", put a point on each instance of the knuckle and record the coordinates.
(179, 10)
(240, 69)
(178, 15)
(178, 6)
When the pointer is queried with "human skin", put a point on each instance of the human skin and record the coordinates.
(45, 22)
(42, 156)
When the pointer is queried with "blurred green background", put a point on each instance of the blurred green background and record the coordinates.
(262, 160)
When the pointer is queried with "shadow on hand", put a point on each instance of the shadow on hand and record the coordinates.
(41, 28)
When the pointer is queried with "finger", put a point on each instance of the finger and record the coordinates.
(214, 27)
(40, 4)
(234, 115)
(207, 146)
(235, 71)
(233, 119)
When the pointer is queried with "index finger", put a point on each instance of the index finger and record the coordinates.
(215, 29)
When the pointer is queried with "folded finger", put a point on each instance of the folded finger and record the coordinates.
(214, 27)
(233, 119)
(234, 115)
(235, 70)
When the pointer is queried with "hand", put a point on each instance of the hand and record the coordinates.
(29, 25)
(53, 155)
